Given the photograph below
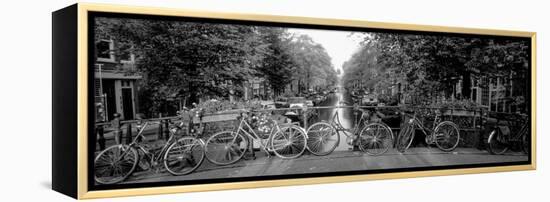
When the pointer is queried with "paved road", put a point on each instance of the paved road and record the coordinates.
(337, 161)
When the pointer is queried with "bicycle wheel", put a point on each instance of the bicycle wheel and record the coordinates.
(405, 137)
(498, 143)
(225, 147)
(184, 156)
(115, 164)
(447, 136)
(289, 143)
(322, 139)
(525, 140)
(375, 138)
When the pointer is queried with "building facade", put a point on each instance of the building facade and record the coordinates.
(498, 93)
(115, 83)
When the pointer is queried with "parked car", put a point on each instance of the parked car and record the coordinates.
(296, 102)
(369, 100)
(309, 103)
(281, 102)
(268, 105)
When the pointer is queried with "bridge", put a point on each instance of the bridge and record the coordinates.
(469, 152)
(338, 161)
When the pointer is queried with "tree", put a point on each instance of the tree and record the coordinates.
(314, 66)
(277, 66)
(361, 69)
(430, 66)
(187, 59)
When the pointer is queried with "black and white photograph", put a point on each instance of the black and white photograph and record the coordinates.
(181, 100)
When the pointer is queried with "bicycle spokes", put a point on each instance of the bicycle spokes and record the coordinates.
(115, 164)
(498, 142)
(282, 142)
(183, 156)
(322, 138)
(375, 139)
(225, 148)
(289, 142)
(446, 136)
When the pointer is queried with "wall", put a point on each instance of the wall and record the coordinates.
(26, 100)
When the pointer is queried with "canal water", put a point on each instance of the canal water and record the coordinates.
(345, 116)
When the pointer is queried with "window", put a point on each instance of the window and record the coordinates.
(125, 83)
(104, 50)
(126, 54)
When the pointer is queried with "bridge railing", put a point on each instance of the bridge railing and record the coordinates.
(470, 122)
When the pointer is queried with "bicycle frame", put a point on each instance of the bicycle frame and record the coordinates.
(420, 125)
(335, 121)
(516, 135)
(154, 158)
(428, 132)
(252, 135)
(522, 132)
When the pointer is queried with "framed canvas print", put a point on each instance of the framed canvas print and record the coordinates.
(157, 100)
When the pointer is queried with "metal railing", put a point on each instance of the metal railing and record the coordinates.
(470, 120)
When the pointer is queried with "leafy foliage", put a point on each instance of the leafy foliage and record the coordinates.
(190, 60)
(315, 66)
(277, 65)
(430, 66)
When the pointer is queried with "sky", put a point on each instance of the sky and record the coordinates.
(340, 45)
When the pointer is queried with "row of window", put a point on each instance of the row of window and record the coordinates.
(106, 52)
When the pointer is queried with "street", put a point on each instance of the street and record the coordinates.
(335, 162)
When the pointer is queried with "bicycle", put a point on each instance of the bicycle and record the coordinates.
(178, 156)
(374, 138)
(444, 134)
(287, 141)
(501, 138)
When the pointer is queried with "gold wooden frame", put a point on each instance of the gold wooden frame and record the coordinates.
(82, 101)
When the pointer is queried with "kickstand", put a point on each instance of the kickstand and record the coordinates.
(267, 153)
(252, 155)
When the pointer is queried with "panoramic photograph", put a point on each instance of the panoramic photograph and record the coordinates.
(181, 100)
